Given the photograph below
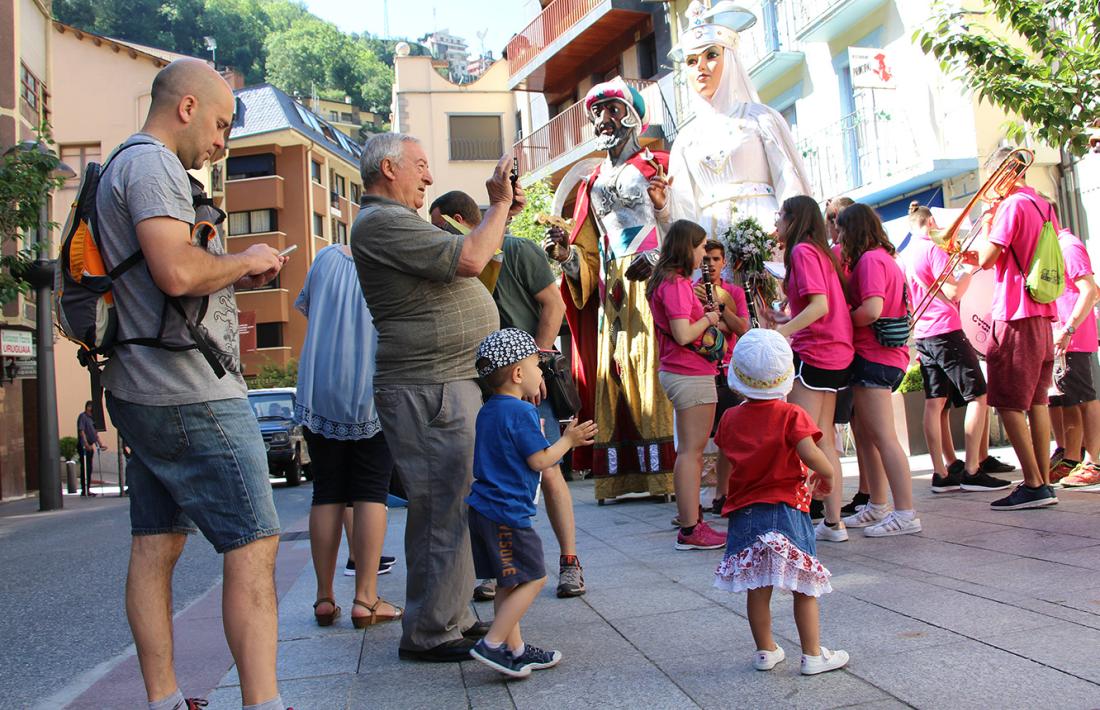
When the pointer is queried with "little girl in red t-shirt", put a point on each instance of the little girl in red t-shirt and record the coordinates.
(770, 542)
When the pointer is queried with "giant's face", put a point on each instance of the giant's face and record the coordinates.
(705, 70)
(607, 119)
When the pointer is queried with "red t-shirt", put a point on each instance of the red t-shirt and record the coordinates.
(760, 438)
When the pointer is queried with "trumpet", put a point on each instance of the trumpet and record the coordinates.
(1000, 185)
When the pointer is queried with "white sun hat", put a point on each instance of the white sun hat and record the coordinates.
(762, 366)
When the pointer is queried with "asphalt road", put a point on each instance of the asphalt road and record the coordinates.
(62, 577)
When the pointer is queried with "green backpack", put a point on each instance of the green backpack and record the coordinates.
(1045, 278)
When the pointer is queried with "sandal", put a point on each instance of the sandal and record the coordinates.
(326, 619)
(361, 622)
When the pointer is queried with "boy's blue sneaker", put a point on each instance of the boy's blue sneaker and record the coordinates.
(537, 659)
(500, 660)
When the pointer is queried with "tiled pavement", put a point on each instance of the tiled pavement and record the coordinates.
(983, 609)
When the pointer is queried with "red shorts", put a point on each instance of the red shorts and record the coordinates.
(1020, 362)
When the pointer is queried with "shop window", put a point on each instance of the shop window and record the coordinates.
(476, 138)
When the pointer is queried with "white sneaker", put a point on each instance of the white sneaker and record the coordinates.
(867, 515)
(766, 660)
(828, 534)
(827, 661)
(893, 524)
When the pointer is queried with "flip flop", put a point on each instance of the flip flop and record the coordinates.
(326, 619)
(361, 622)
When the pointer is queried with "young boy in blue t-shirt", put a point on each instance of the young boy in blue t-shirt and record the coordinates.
(509, 452)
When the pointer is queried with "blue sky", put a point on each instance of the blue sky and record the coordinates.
(410, 18)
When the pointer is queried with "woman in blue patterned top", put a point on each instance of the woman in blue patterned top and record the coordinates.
(350, 460)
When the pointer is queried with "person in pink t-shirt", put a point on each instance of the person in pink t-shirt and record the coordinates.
(734, 323)
(819, 330)
(949, 366)
(1075, 414)
(687, 376)
(876, 292)
(1021, 354)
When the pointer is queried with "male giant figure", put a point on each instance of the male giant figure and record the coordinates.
(615, 353)
(431, 313)
(198, 457)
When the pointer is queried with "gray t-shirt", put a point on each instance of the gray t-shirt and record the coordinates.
(429, 322)
(148, 181)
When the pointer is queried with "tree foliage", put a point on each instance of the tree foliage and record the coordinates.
(25, 183)
(1052, 81)
(540, 197)
(271, 375)
(278, 41)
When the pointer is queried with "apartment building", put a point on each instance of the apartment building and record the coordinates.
(291, 178)
(347, 118)
(569, 46)
(25, 102)
(464, 128)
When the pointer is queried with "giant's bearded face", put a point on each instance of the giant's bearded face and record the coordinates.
(610, 120)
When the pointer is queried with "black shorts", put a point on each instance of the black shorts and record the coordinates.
(727, 399)
(845, 406)
(509, 555)
(349, 471)
(875, 375)
(950, 370)
(1076, 383)
(816, 378)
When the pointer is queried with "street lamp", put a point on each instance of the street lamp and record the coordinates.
(41, 276)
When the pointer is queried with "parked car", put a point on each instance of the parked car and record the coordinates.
(287, 453)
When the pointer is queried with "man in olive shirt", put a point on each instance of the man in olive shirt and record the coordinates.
(431, 313)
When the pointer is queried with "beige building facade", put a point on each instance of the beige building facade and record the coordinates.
(464, 129)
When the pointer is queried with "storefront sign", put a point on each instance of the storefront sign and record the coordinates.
(247, 330)
(871, 68)
(16, 343)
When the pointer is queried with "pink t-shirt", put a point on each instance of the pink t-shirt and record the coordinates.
(877, 274)
(740, 307)
(1016, 227)
(673, 299)
(1078, 265)
(827, 342)
(923, 262)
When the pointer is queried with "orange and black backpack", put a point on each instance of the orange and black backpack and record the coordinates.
(83, 296)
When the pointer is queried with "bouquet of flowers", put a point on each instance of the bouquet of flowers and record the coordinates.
(748, 246)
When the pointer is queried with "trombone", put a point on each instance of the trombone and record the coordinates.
(1000, 185)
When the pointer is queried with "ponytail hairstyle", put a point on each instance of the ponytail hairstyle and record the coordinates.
(677, 257)
(806, 225)
(919, 215)
(863, 231)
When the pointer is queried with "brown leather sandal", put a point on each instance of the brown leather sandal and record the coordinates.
(361, 622)
(326, 619)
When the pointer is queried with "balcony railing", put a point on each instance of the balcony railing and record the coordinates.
(570, 130)
(820, 20)
(774, 32)
(551, 23)
(859, 149)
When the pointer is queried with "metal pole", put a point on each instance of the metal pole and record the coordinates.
(49, 451)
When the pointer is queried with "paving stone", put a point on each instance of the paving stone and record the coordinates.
(419, 685)
(611, 683)
(725, 678)
(1038, 578)
(969, 674)
(657, 597)
(1062, 645)
(1025, 541)
(682, 633)
(306, 658)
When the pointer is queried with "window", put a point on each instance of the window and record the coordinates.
(77, 156)
(791, 115)
(318, 225)
(356, 192)
(250, 166)
(253, 222)
(33, 92)
(341, 185)
(476, 138)
(315, 172)
(333, 116)
(345, 118)
(648, 66)
(341, 233)
(269, 335)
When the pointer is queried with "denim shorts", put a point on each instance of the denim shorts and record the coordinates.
(875, 375)
(195, 467)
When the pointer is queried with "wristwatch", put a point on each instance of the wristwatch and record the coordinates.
(1070, 330)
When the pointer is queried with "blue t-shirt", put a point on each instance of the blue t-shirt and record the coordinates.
(508, 431)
